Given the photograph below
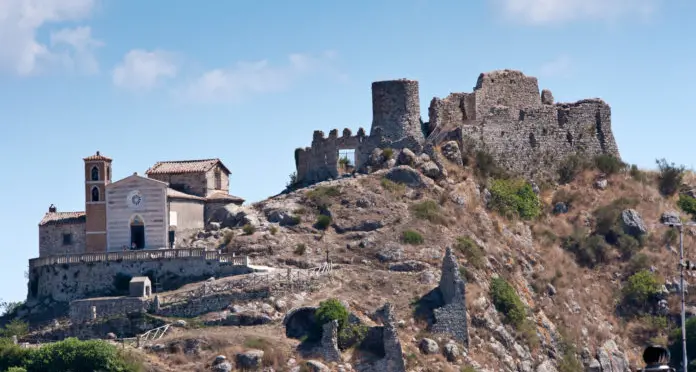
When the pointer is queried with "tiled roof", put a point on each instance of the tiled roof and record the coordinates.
(55, 218)
(223, 196)
(171, 193)
(97, 156)
(185, 166)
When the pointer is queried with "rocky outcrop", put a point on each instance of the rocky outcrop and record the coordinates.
(632, 223)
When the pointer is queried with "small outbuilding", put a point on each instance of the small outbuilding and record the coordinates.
(140, 286)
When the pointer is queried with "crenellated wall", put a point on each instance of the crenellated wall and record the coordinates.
(525, 131)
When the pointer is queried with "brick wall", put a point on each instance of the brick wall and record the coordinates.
(51, 239)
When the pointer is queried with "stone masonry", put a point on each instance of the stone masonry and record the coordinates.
(329, 342)
(100, 308)
(393, 360)
(505, 115)
(452, 317)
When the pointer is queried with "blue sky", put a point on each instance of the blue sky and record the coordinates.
(248, 82)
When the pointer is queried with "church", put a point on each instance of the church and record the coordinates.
(137, 212)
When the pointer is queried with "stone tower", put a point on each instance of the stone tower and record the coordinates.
(97, 176)
(396, 110)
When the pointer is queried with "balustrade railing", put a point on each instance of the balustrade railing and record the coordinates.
(144, 255)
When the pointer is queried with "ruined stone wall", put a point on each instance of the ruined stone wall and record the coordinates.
(452, 317)
(73, 281)
(51, 239)
(210, 303)
(396, 109)
(505, 88)
(81, 310)
(320, 161)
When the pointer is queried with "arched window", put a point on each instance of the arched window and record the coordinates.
(95, 194)
(95, 173)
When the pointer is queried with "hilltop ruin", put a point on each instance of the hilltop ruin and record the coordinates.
(506, 115)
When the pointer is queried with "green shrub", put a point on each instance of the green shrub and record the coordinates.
(670, 236)
(15, 327)
(344, 162)
(330, 310)
(570, 167)
(323, 222)
(322, 196)
(507, 302)
(227, 237)
(17, 369)
(687, 204)
(412, 237)
(388, 153)
(608, 225)
(609, 164)
(637, 174)
(300, 249)
(514, 197)
(642, 287)
(638, 262)
(429, 210)
(392, 186)
(566, 197)
(72, 354)
(670, 177)
(12, 355)
(249, 229)
(473, 252)
(569, 361)
(589, 251)
(351, 334)
(273, 230)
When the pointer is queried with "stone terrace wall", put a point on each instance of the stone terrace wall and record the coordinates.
(73, 281)
(207, 304)
(81, 310)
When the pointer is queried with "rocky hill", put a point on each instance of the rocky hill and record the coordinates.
(571, 276)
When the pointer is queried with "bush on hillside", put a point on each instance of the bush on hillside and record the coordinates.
(637, 174)
(473, 252)
(412, 237)
(70, 354)
(687, 204)
(670, 177)
(15, 327)
(322, 196)
(608, 225)
(387, 153)
(486, 166)
(570, 167)
(323, 222)
(249, 229)
(429, 210)
(641, 290)
(514, 197)
(589, 251)
(507, 302)
(609, 164)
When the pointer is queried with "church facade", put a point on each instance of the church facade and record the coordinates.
(137, 212)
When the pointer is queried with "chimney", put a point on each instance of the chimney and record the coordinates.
(52, 209)
(97, 152)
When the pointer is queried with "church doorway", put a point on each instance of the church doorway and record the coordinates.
(137, 232)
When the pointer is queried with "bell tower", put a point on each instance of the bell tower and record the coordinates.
(97, 176)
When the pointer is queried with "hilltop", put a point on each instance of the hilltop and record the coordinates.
(557, 275)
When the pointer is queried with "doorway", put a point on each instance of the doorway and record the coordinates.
(137, 232)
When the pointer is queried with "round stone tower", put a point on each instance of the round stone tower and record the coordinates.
(396, 109)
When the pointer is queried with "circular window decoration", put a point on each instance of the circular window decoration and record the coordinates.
(134, 199)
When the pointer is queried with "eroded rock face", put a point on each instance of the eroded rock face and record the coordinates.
(450, 150)
(670, 217)
(233, 215)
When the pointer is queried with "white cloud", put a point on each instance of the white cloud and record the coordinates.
(143, 70)
(249, 78)
(559, 67)
(557, 11)
(23, 54)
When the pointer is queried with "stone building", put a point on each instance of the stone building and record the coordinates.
(137, 212)
(505, 115)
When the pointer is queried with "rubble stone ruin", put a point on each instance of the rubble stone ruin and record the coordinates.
(525, 131)
(451, 318)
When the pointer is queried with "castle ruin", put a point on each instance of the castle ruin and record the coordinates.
(524, 130)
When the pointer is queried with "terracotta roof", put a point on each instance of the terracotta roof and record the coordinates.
(185, 166)
(55, 218)
(171, 193)
(223, 196)
(97, 156)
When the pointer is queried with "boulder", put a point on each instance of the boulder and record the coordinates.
(406, 157)
(632, 223)
(408, 266)
(316, 366)
(233, 215)
(251, 359)
(431, 170)
(428, 346)
(670, 217)
(406, 175)
(450, 150)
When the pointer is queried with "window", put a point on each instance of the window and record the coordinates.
(179, 187)
(67, 238)
(95, 194)
(108, 173)
(95, 173)
(218, 180)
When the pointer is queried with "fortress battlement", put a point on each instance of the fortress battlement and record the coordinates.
(505, 114)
